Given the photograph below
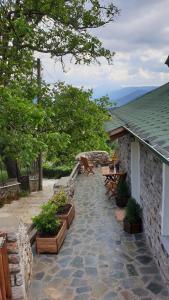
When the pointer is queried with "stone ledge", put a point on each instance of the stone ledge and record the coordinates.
(67, 183)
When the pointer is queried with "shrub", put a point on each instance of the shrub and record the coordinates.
(122, 189)
(46, 222)
(56, 172)
(133, 211)
(60, 200)
(23, 193)
(122, 193)
(49, 207)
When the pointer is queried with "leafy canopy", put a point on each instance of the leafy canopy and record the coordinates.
(66, 121)
(57, 27)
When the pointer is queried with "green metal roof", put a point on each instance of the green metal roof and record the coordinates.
(148, 118)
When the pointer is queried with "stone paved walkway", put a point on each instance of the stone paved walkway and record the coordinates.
(98, 261)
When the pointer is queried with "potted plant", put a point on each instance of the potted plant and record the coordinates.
(133, 221)
(64, 210)
(51, 231)
(122, 195)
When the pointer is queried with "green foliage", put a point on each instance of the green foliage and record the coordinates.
(23, 193)
(133, 211)
(49, 207)
(46, 222)
(122, 189)
(76, 115)
(56, 172)
(60, 199)
(65, 121)
(55, 27)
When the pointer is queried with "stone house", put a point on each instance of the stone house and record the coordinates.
(141, 128)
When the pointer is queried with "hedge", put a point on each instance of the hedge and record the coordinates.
(50, 172)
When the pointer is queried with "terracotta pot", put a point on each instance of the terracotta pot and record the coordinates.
(51, 244)
(69, 215)
(132, 228)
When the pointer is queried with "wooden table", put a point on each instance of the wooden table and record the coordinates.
(109, 174)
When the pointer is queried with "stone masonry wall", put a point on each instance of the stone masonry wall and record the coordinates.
(20, 262)
(97, 157)
(151, 198)
(151, 202)
(125, 155)
(33, 184)
(10, 192)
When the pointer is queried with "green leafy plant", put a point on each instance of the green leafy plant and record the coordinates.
(133, 211)
(49, 206)
(60, 200)
(122, 193)
(56, 172)
(46, 222)
(23, 193)
(122, 189)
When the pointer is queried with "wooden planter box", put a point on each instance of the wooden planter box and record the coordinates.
(51, 244)
(69, 215)
(132, 228)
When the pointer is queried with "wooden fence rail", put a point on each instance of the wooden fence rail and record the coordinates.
(5, 285)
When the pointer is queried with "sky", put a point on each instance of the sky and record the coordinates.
(139, 36)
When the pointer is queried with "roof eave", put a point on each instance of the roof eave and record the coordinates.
(160, 155)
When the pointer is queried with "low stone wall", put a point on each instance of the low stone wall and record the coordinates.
(67, 183)
(33, 184)
(20, 262)
(97, 157)
(9, 191)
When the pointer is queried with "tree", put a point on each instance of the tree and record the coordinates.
(57, 27)
(66, 122)
(80, 118)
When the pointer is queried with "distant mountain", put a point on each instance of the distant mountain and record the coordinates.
(125, 95)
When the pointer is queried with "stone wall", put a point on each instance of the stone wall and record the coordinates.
(33, 184)
(151, 202)
(125, 155)
(9, 191)
(20, 262)
(67, 183)
(97, 157)
(150, 198)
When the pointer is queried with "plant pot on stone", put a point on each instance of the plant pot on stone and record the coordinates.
(133, 222)
(122, 195)
(51, 231)
(64, 210)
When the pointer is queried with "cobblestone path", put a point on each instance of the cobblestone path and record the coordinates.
(98, 261)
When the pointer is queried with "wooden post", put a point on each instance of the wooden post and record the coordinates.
(38, 101)
(5, 284)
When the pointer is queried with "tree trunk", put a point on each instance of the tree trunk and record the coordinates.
(12, 168)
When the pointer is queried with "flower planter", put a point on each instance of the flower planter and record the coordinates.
(68, 215)
(132, 228)
(51, 244)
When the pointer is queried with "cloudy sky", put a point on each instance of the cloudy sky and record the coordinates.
(139, 36)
